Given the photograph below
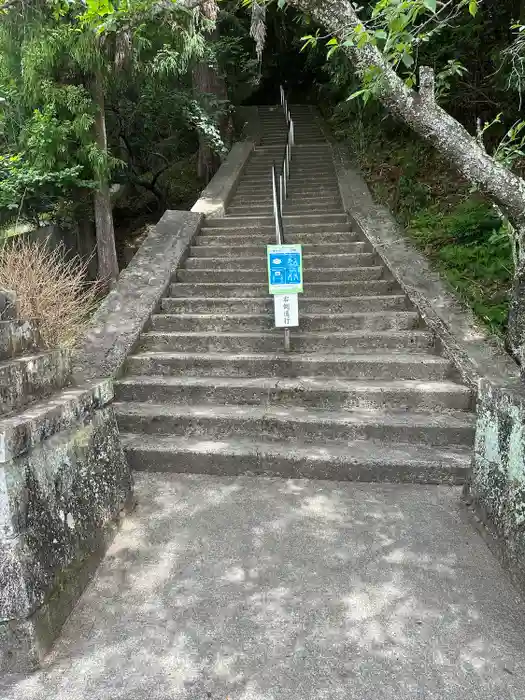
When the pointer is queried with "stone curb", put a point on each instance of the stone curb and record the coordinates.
(122, 316)
(216, 196)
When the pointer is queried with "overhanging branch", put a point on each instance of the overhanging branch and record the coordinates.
(426, 117)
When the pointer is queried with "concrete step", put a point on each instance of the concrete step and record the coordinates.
(266, 235)
(295, 194)
(264, 199)
(302, 392)
(356, 461)
(371, 272)
(314, 289)
(259, 262)
(249, 322)
(30, 378)
(264, 180)
(279, 424)
(338, 230)
(425, 367)
(373, 307)
(297, 175)
(267, 210)
(301, 341)
(302, 221)
(218, 252)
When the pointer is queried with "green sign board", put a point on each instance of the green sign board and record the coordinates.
(285, 269)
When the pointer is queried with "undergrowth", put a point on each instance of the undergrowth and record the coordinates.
(50, 289)
(459, 231)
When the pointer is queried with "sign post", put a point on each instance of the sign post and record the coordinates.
(285, 276)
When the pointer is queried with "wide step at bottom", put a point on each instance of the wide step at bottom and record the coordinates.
(355, 461)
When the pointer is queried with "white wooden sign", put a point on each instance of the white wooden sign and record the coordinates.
(286, 310)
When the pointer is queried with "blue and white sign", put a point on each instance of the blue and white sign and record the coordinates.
(285, 269)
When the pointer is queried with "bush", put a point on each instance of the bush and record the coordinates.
(50, 288)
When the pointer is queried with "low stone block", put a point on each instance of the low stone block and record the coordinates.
(17, 337)
(22, 432)
(496, 489)
(33, 377)
(59, 505)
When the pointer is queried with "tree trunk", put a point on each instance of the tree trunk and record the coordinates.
(107, 255)
(436, 126)
(208, 81)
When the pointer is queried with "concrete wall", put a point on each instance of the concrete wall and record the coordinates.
(64, 483)
(495, 492)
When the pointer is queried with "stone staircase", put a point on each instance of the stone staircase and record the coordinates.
(364, 393)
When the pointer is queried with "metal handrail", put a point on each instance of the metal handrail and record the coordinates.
(280, 182)
(277, 206)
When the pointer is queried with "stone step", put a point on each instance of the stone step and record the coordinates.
(297, 186)
(246, 322)
(305, 162)
(23, 431)
(302, 221)
(18, 337)
(30, 378)
(425, 367)
(231, 250)
(371, 272)
(337, 232)
(300, 342)
(314, 289)
(264, 173)
(264, 166)
(279, 424)
(263, 200)
(265, 180)
(356, 461)
(295, 193)
(368, 306)
(259, 262)
(257, 210)
(266, 235)
(302, 392)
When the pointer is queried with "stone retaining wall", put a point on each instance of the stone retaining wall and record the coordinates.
(495, 491)
(64, 484)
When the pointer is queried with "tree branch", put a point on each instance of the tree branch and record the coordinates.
(427, 118)
(427, 85)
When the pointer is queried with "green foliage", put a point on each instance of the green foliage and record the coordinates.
(30, 193)
(459, 232)
(472, 249)
(141, 54)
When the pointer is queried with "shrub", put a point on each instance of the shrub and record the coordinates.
(50, 288)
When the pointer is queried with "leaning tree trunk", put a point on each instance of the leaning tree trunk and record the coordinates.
(107, 255)
(420, 111)
(208, 81)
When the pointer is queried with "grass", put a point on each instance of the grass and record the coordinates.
(457, 229)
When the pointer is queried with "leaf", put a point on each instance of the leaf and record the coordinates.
(431, 4)
(473, 7)
(407, 60)
(380, 34)
(333, 41)
(281, 4)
